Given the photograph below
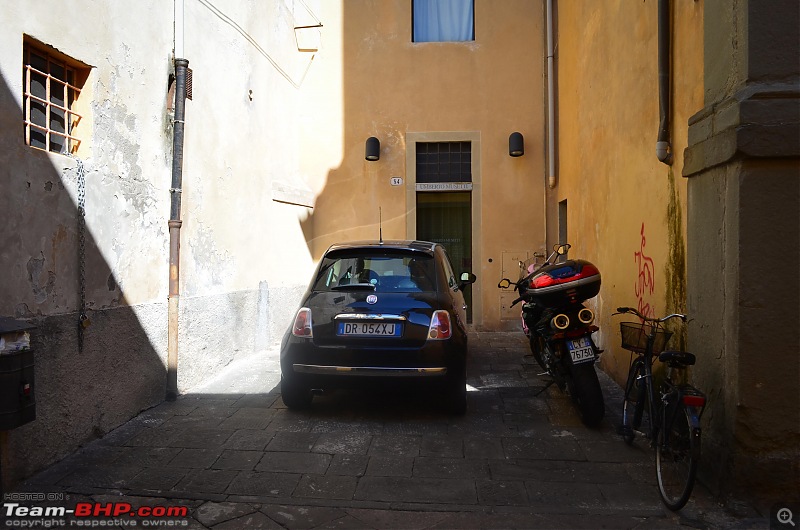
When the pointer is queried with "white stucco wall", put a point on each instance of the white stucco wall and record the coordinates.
(262, 132)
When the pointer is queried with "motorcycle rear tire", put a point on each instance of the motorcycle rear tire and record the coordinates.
(586, 393)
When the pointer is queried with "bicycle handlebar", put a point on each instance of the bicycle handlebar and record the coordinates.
(650, 319)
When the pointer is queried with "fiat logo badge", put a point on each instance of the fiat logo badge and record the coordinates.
(372, 299)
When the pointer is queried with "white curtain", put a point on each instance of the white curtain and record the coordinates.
(443, 20)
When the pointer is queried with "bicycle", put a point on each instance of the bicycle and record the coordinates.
(673, 413)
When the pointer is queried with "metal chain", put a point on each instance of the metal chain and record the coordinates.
(83, 320)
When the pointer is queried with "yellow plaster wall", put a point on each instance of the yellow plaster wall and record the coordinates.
(626, 210)
(485, 89)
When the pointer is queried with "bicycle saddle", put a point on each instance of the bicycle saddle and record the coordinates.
(680, 358)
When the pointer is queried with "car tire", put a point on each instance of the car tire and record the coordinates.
(456, 398)
(295, 396)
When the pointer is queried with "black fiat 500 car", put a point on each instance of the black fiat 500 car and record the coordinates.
(379, 311)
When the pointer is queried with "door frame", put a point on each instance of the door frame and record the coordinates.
(474, 137)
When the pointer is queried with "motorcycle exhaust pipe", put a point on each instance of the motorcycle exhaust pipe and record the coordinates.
(586, 316)
(560, 322)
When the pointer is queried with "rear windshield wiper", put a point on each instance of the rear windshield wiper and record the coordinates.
(354, 287)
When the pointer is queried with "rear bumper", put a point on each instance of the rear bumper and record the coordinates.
(369, 371)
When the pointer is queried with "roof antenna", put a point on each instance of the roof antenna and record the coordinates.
(380, 225)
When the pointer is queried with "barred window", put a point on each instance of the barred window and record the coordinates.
(51, 84)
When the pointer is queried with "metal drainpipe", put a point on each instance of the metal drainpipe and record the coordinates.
(663, 147)
(551, 94)
(181, 66)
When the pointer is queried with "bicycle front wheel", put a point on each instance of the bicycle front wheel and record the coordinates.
(677, 455)
(633, 405)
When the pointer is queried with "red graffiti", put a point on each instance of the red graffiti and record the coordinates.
(645, 284)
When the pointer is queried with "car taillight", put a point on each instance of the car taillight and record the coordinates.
(302, 323)
(440, 326)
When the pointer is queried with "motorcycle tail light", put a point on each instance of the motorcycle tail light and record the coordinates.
(302, 324)
(560, 322)
(692, 400)
(440, 328)
(586, 316)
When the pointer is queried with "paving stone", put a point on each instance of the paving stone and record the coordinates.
(347, 442)
(206, 480)
(212, 513)
(313, 463)
(502, 493)
(246, 522)
(247, 440)
(611, 451)
(398, 445)
(444, 446)
(145, 456)
(326, 487)
(157, 437)
(196, 458)
(544, 449)
(201, 438)
(107, 477)
(256, 483)
(302, 517)
(295, 442)
(241, 460)
(417, 490)
(483, 447)
(543, 470)
(435, 467)
(390, 466)
(396, 520)
(157, 479)
(248, 418)
(565, 495)
(352, 465)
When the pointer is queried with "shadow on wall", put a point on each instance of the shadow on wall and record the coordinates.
(80, 394)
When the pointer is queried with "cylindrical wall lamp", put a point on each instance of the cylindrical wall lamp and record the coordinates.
(516, 144)
(373, 149)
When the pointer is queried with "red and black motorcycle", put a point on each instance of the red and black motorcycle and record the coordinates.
(560, 327)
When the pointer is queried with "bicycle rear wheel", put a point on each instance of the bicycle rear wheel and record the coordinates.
(677, 455)
(633, 404)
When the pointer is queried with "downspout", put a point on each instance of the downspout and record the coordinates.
(663, 147)
(181, 66)
(551, 136)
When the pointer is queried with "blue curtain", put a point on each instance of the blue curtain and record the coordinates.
(443, 20)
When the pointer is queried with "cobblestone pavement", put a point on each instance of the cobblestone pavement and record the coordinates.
(236, 458)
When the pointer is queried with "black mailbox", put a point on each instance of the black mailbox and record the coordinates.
(17, 402)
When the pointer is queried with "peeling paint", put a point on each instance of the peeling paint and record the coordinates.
(35, 269)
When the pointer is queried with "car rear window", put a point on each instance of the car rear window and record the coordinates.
(383, 273)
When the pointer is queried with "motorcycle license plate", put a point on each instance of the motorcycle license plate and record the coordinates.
(580, 350)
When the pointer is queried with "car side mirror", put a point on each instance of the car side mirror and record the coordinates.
(466, 279)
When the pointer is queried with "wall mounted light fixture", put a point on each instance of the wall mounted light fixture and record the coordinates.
(516, 144)
(373, 151)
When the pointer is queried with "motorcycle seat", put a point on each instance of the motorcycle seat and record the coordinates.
(677, 358)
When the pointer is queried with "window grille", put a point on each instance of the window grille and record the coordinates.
(444, 162)
(51, 87)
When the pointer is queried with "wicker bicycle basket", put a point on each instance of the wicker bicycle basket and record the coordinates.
(634, 337)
